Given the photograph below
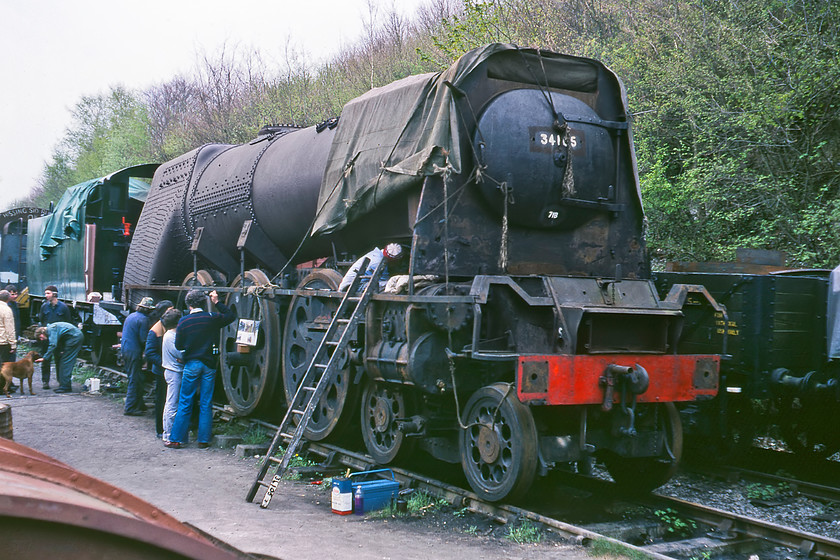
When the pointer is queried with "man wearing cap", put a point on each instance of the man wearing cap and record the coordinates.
(391, 253)
(64, 342)
(52, 311)
(134, 333)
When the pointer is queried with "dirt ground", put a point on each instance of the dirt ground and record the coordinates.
(207, 489)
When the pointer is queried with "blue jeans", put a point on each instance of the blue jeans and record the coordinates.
(196, 376)
(134, 393)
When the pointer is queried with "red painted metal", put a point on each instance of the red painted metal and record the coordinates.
(49, 507)
(575, 380)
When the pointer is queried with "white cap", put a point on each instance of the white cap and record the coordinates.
(392, 251)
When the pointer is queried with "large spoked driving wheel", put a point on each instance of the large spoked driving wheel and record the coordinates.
(250, 377)
(308, 318)
(382, 405)
(643, 474)
(499, 445)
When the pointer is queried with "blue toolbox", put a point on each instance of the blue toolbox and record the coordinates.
(378, 492)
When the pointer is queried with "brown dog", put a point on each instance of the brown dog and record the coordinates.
(22, 369)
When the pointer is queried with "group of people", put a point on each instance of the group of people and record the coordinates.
(178, 349)
(180, 353)
(59, 338)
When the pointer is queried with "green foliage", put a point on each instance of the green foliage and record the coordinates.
(737, 126)
(471, 530)
(83, 372)
(296, 461)
(255, 435)
(601, 548)
(524, 532)
(421, 502)
(759, 491)
(477, 24)
(675, 526)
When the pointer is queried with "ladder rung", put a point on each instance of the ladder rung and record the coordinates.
(342, 320)
(287, 435)
(320, 365)
(296, 411)
(274, 459)
(331, 343)
(309, 388)
(353, 298)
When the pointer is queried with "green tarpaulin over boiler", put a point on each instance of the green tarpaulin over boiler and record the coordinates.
(391, 138)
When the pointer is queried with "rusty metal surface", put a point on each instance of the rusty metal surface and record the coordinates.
(48, 507)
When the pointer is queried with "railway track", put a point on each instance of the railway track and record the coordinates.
(720, 532)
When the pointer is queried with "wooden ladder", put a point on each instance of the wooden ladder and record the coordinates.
(319, 374)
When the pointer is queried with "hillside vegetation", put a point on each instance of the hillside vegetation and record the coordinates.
(735, 107)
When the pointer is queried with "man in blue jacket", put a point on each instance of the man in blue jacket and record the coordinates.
(195, 335)
(52, 311)
(133, 341)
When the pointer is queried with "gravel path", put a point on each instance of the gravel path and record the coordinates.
(207, 488)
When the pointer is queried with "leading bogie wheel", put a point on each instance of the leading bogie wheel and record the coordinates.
(249, 372)
(307, 320)
(499, 444)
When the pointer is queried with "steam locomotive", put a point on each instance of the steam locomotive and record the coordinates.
(527, 334)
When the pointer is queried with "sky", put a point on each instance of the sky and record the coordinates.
(53, 52)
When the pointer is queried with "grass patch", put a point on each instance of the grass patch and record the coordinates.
(417, 505)
(83, 372)
(525, 532)
(251, 434)
(421, 502)
(255, 435)
(296, 461)
(601, 548)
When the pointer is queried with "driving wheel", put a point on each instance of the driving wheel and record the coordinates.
(249, 371)
(382, 404)
(499, 444)
(307, 321)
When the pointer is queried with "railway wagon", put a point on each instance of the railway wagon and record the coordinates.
(780, 377)
(523, 333)
(81, 246)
